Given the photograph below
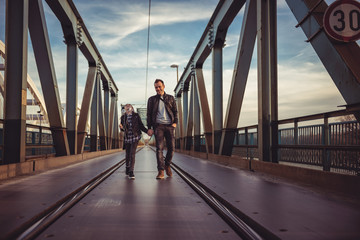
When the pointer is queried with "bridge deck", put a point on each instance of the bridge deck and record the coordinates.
(149, 208)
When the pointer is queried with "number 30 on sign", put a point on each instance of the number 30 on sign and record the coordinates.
(342, 20)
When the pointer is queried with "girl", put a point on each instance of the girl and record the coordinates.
(132, 125)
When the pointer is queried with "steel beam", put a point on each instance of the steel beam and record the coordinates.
(263, 81)
(101, 118)
(71, 93)
(267, 71)
(85, 108)
(46, 70)
(217, 95)
(94, 115)
(74, 26)
(2, 87)
(219, 22)
(273, 82)
(204, 108)
(180, 123)
(185, 98)
(239, 78)
(196, 110)
(15, 80)
(111, 121)
(115, 143)
(107, 112)
(190, 119)
(340, 59)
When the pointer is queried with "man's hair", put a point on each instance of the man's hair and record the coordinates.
(159, 80)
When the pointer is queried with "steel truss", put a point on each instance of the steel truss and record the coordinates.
(69, 138)
(259, 22)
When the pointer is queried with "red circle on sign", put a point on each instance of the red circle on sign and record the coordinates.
(328, 18)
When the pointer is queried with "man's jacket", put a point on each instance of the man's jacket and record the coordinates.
(153, 105)
(137, 125)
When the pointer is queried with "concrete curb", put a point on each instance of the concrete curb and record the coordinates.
(341, 183)
(43, 164)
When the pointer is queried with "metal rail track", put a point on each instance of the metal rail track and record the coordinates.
(36, 225)
(244, 226)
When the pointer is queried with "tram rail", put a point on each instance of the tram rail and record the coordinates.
(239, 222)
(32, 228)
(244, 227)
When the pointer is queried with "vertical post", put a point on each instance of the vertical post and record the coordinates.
(204, 108)
(40, 130)
(296, 132)
(107, 112)
(116, 124)
(247, 142)
(196, 109)
(274, 147)
(326, 142)
(94, 116)
(217, 95)
(71, 93)
(111, 121)
(185, 98)
(15, 80)
(190, 119)
(263, 82)
(267, 81)
(180, 123)
(85, 108)
(101, 119)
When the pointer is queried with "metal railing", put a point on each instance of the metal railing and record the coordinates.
(328, 146)
(39, 142)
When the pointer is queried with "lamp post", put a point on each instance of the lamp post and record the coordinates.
(40, 130)
(177, 71)
(177, 130)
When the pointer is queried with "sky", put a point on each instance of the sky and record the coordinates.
(119, 30)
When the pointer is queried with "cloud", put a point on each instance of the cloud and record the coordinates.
(128, 17)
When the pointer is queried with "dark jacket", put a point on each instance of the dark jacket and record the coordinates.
(153, 105)
(137, 125)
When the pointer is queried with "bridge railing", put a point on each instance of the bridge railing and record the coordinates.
(327, 146)
(40, 144)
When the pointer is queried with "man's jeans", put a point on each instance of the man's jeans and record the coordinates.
(130, 155)
(164, 131)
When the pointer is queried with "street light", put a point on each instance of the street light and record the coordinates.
(40, 130)
(177, 71)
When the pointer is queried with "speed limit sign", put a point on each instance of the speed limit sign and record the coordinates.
(342, 20)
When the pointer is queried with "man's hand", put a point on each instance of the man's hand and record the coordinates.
(174, 125)
(150, 132)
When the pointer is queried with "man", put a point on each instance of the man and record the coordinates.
(162, 118)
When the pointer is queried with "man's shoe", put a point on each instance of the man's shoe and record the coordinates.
(160, 174)
(127, 170)
(131, 175)
(168, 171)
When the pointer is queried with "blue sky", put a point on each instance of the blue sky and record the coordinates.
(119, 30)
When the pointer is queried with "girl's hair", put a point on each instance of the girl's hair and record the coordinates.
(128, 105)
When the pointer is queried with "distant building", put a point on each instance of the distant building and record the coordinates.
(142, 113)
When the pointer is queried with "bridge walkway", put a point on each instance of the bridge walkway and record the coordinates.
(146, 208)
